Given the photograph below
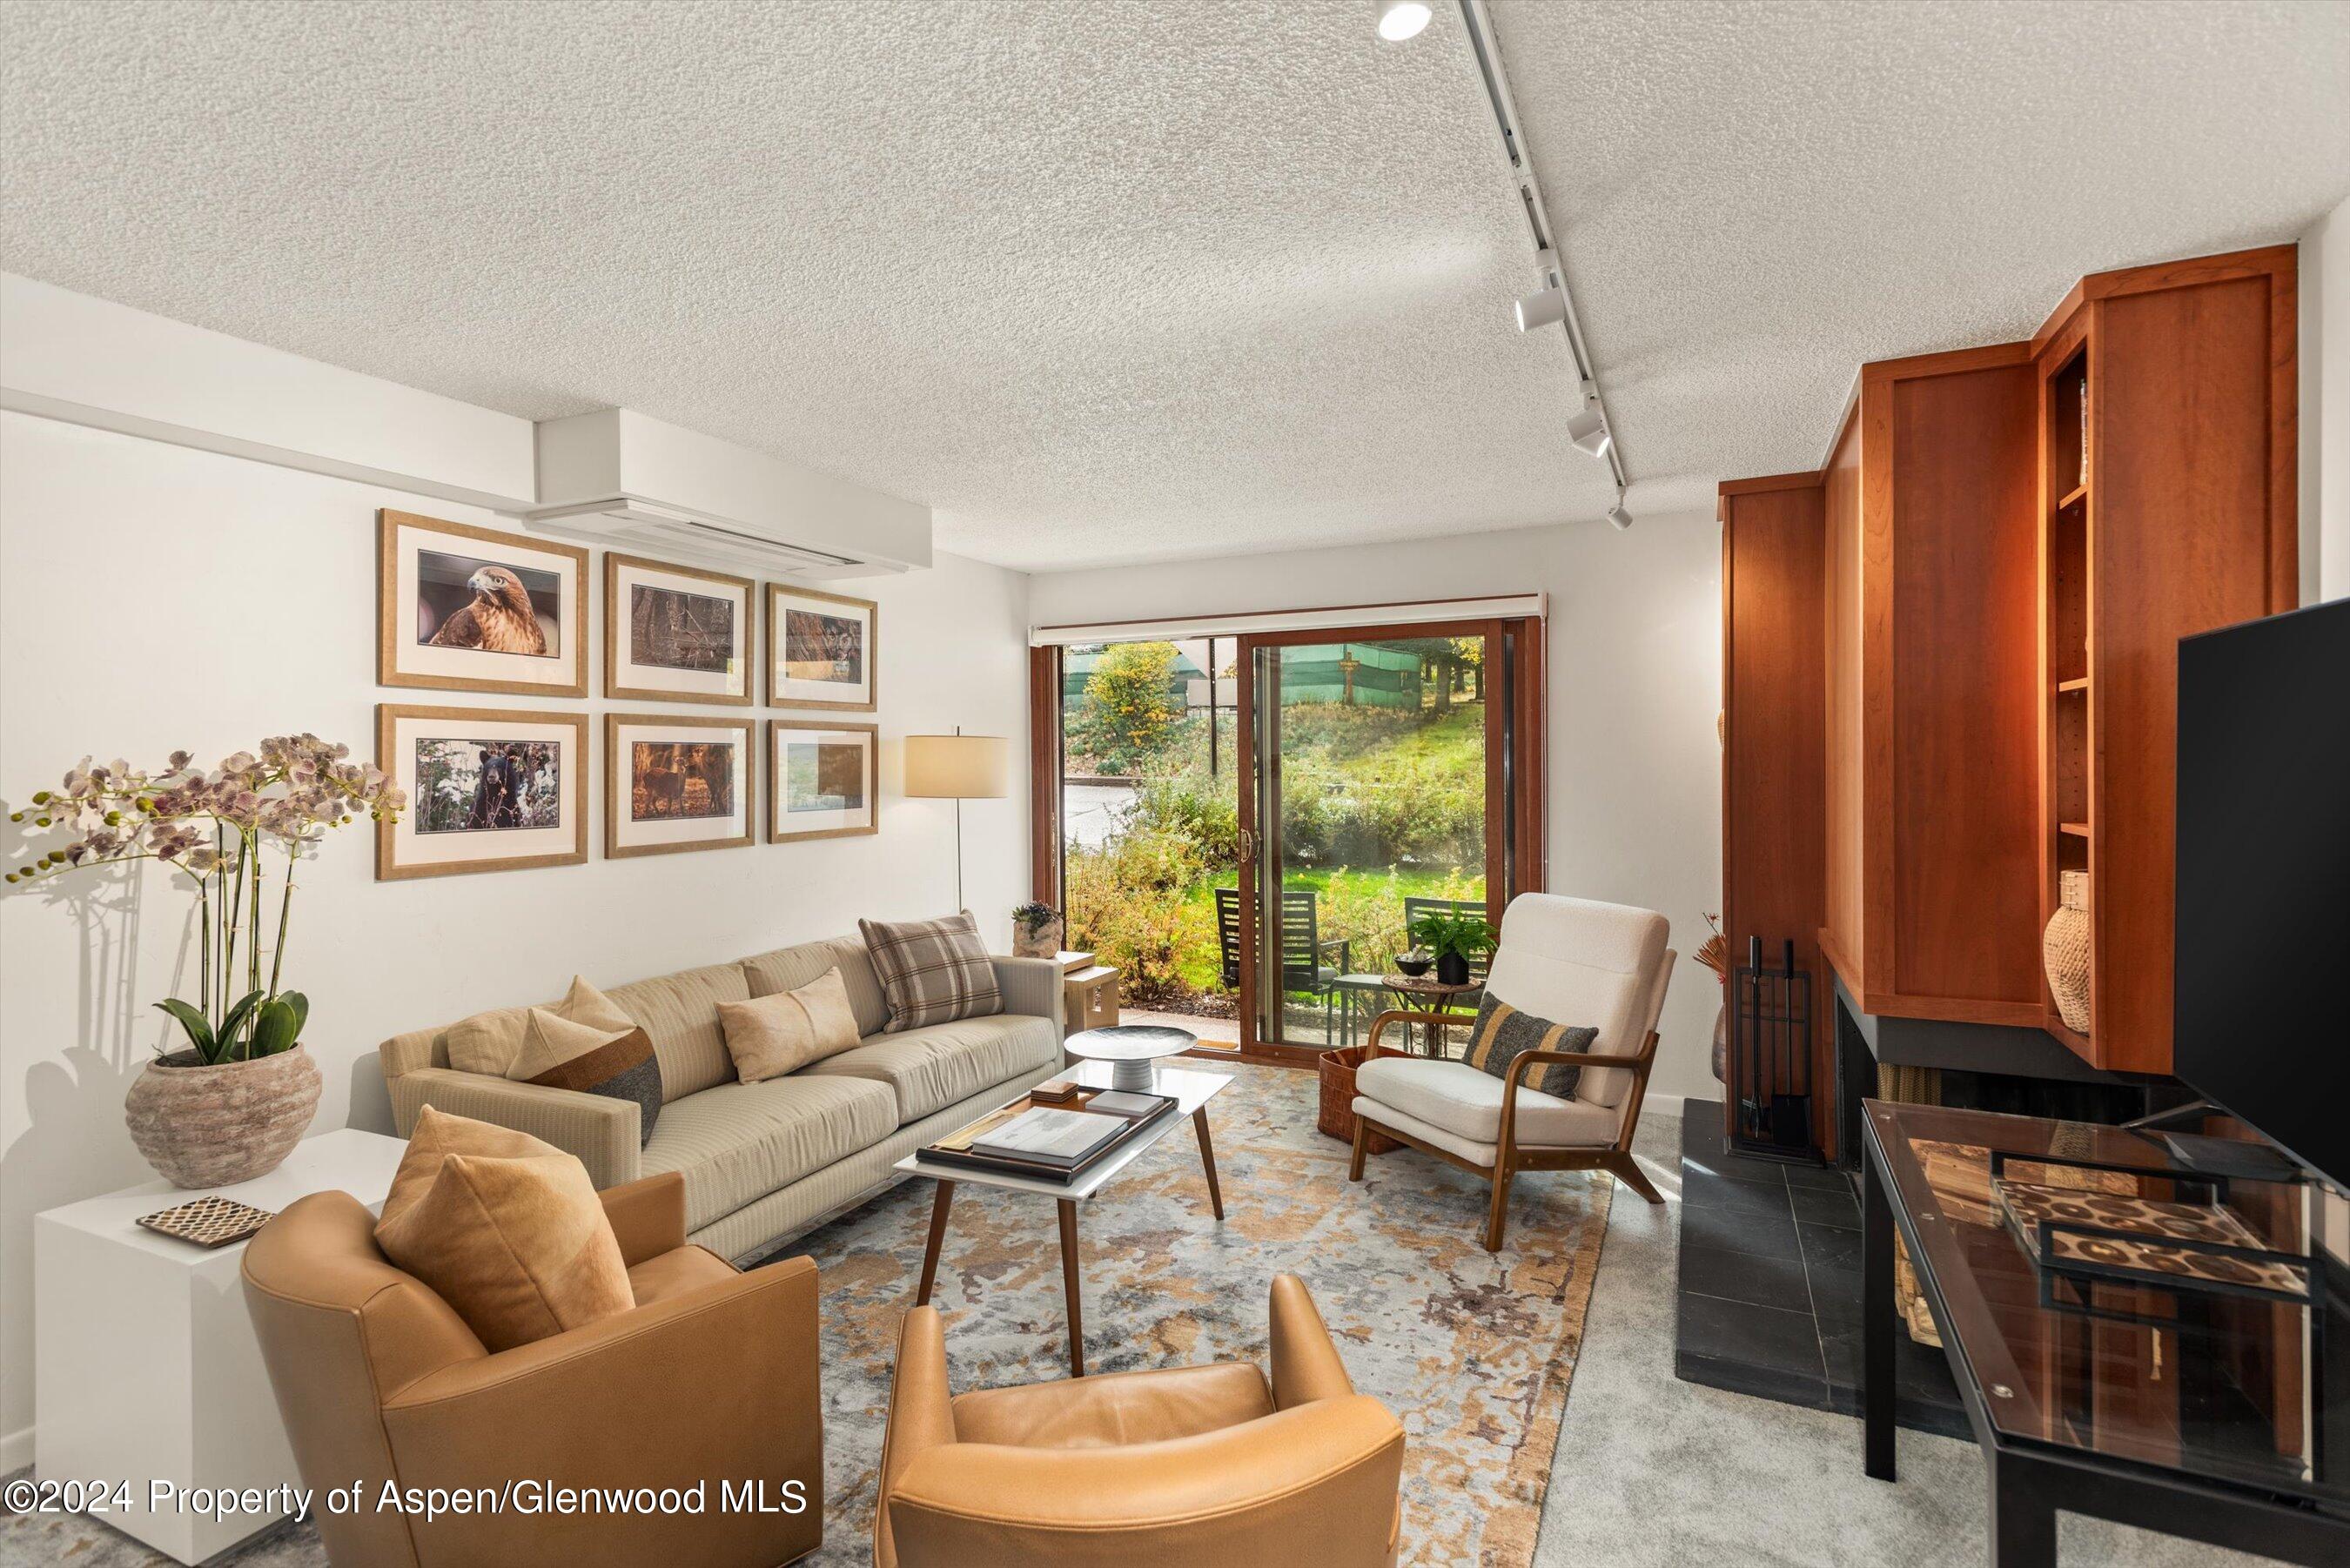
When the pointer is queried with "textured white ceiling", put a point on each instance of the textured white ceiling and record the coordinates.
(1123, 282)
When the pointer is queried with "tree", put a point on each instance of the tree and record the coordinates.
(1132, 695)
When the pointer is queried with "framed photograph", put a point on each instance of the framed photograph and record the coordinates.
(674, 782)
(489, 789)
(820, 649)
(676, 634)
(824, 781)
(472, 609)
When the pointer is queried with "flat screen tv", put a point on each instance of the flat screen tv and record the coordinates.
(2262, 999)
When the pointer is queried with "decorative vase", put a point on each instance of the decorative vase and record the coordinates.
(217, 1125)
(1721, 1044)
(1452, 968)
(2065, 949)
(1040, 941)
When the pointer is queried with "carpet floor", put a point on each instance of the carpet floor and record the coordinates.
(1473, 1350)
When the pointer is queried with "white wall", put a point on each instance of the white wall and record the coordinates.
(160, 597)
(1635, 682)
(2325, 407)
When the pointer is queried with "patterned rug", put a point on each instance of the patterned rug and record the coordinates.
(1472, 1350)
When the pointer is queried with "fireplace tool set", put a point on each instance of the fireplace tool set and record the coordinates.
(1771, 1048)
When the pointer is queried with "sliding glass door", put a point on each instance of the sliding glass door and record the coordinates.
(1246, 826)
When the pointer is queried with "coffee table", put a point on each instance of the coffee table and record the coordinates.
(1191, 1089)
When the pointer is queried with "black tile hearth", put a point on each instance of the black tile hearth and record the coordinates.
(1769, 1299)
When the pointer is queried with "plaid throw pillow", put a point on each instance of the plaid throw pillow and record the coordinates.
(1501, 1034)
(933, 971)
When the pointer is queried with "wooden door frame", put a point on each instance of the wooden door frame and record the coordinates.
(1516, 747)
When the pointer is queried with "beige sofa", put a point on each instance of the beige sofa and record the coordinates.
(764, 1162)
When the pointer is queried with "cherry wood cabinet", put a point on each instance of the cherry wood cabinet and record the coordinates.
(2167, 408)
(1931, 872)
(2012, 540)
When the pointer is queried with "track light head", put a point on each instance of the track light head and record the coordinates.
(1588, 432)
(1617, 517)
(1546, 308)
(1402, 19)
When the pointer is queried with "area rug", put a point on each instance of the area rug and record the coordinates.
(1471, 1350)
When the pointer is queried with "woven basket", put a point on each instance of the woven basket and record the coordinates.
(2065, 949)
(1337, 1116)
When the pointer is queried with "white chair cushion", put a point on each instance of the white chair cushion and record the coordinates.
(1579, 961)
(1467, 1103)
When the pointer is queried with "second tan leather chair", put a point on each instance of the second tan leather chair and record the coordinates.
(712, 1378)
(1202, 1465)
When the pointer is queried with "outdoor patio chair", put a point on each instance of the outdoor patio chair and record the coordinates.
(1304, 971)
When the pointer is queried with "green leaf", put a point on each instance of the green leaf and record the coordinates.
(278, 1025)
(234, 1017)
(200, 1032)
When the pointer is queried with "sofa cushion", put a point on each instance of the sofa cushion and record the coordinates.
(679, 1013)
(557, 1054)
(928, 1069)
(738, 1142)
(489, 1042)
(933, 971)
(1467, 1103)
(788, 969)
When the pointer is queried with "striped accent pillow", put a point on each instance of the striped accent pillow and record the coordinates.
(561, 1054)
(1501, 1034)
(933, 971)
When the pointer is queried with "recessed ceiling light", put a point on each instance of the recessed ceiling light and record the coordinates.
(1546, 308)
(1588, 432)
(1402, 19)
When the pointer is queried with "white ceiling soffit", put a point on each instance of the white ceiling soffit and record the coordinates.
(1108, 284)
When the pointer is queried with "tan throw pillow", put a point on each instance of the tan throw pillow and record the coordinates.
(438, 1134)
(518, 1245)
(489, 1042)
(557, 1054)
(769, 1036)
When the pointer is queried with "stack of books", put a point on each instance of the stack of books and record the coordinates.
(1051, 1142)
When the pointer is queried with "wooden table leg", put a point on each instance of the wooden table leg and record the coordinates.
(1069, 1287)
(939, 1207)
(1879, 1319)
(1208, 1160)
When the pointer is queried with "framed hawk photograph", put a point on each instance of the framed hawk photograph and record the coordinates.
(676, 634)
(820, 649)
(460, 608)
(489, 789)
(675, 783)
(824, 781)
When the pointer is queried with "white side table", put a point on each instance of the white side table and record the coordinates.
(146, 1364)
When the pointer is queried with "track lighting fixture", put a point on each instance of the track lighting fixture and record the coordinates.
(1617, 515)
(1546, 308)
(1588, 431)
(1402, 19)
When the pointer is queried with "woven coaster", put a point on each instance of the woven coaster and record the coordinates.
(209, 1221)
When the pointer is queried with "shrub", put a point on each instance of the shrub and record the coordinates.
(1126, 905)
(1130, 710)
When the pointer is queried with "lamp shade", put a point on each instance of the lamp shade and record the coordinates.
(958, 767)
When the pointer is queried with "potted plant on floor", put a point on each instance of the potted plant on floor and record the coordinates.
(1455, 937)
(233, 1103)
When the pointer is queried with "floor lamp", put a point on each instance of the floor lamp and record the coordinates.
(957, 767)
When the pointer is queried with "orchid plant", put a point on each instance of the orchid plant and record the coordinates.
(216, 828)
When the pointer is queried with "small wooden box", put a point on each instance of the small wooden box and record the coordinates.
(1090, 998)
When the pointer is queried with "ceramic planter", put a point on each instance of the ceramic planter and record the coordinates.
(215, 1126)
(1452, 968)
(1044, 941)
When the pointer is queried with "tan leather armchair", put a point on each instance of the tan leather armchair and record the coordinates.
(712, 1377)
(1206, 1465)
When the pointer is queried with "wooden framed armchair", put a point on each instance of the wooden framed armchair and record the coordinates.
(1575, 962)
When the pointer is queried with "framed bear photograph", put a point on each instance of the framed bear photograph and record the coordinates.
(821, 649)
(460, 608)
(489, 789)
(674, 782)
(677, 634)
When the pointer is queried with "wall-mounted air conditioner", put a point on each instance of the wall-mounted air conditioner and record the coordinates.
(615, 477)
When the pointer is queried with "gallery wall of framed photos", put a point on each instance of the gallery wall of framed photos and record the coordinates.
(462, 608)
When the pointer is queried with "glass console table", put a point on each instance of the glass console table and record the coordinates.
(2198, 1410)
